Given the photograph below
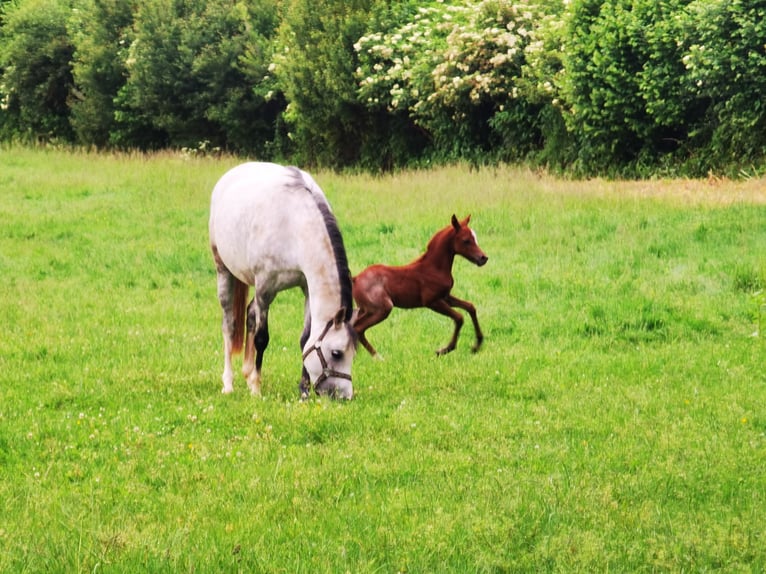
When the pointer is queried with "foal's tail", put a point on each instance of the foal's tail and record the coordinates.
(239, 311)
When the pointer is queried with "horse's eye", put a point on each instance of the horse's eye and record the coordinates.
(336, 354)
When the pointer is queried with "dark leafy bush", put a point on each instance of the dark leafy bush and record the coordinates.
(315, 66)
(35, 60)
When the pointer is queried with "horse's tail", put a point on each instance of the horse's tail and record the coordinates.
(239, 311)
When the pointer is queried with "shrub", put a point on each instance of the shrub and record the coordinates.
(197, 71)
(726, 62)
(35, 55)
(314, 66)
(101, 33)
(452, 70)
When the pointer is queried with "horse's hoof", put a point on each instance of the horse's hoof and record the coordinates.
(227, 391)
(378, 357)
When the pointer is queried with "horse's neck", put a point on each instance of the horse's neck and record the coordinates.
(439, 253)
(324, 291)
(324, 286)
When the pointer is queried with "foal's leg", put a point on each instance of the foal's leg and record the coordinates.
(467, 306)
(443, 307)
(367, 319)
(374, 304)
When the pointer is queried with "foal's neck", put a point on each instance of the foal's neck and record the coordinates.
(439, 252)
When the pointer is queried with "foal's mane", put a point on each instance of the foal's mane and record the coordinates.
(439, 237)
(336, 239)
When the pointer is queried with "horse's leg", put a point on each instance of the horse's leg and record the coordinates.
(304, 387)
(367, 319)
(257, 341)
(443, 307)
(232, 295)
(374, 303)
(248, 362)
(471, 310)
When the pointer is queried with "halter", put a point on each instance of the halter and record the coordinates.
(327, 371)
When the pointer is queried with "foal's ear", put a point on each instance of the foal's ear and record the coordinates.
(340, 316)
(458, 224)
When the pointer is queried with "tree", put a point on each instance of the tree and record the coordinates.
(197, 74)
(315, 66)
(101, 31)
(35, 55)
(725, 56)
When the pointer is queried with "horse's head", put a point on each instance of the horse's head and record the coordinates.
(328, 358)
(465, 242)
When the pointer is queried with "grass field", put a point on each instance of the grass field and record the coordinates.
(615, 419)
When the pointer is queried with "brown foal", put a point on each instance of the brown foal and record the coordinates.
(426, 282)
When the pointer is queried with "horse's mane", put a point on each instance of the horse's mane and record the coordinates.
(438, 238)
(305, 181)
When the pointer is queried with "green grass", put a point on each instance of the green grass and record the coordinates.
(614, 420)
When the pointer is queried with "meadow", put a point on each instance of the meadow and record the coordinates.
(615, 419)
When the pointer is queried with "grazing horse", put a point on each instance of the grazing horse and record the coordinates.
(426, 282)
(271, 227)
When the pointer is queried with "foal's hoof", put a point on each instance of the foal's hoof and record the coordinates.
(444, 351)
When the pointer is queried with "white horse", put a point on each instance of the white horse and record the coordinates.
(271, 227)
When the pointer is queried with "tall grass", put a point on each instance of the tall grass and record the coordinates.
(614, 419)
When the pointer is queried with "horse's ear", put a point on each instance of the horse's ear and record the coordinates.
(340, 316)
(455, 222)
(464, 223)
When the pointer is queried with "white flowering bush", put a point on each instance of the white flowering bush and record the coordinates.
(453, 68)
(483, 60)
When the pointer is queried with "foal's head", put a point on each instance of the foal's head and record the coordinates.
(464, 242)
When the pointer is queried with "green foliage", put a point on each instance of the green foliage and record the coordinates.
(623, 83)
(195, 72)
(726, 62)
(315, 66)
(591, 87)
(451, 70)
(101, 31)
(35, 60)
(664, 83)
